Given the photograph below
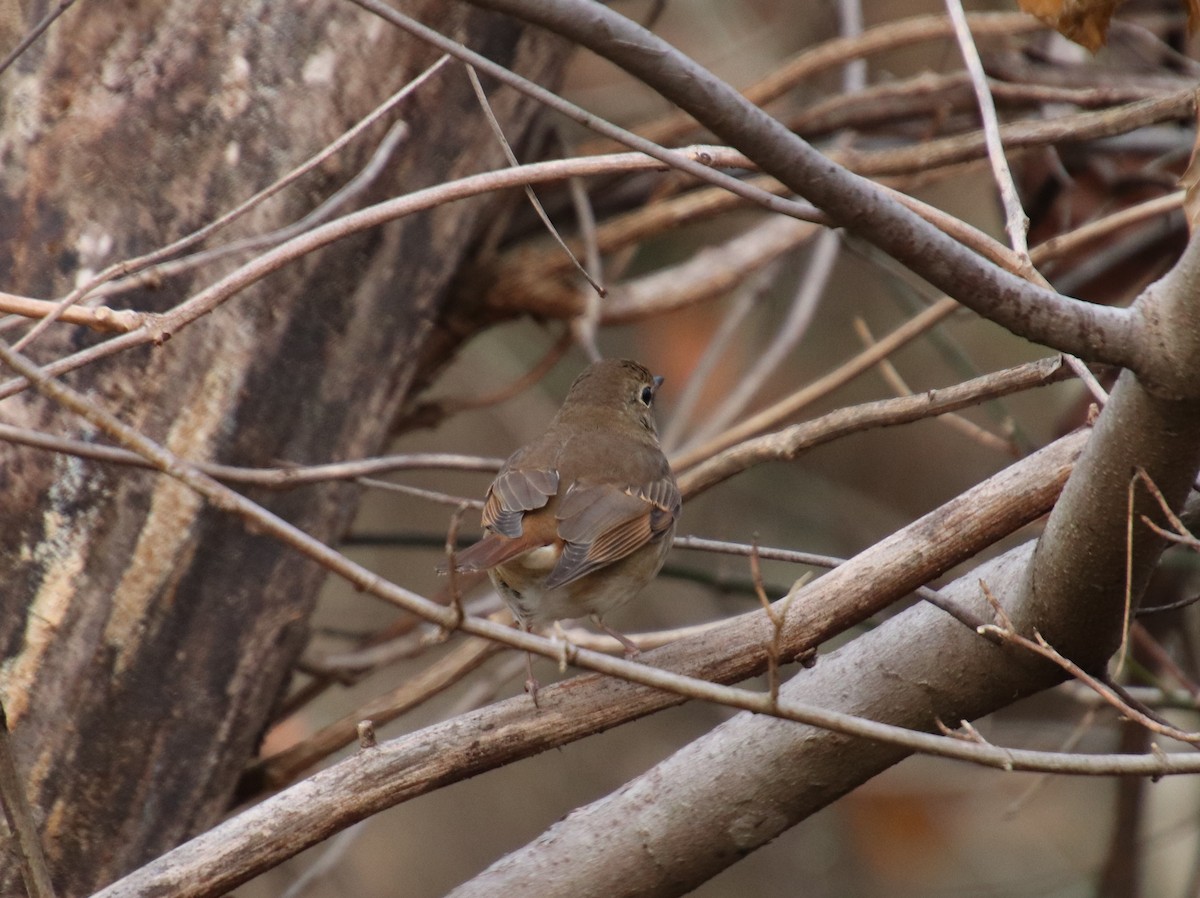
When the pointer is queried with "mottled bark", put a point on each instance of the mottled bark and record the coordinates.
(145, 639)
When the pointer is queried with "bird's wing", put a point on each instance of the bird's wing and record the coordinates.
(602, 523)
(514, 492)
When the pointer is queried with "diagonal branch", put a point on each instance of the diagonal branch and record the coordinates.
(1092, 332)
(405, 768)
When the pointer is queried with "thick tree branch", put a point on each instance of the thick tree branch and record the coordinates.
(1071, 586)
(1082, 562)
(331, 800)
(753, 777)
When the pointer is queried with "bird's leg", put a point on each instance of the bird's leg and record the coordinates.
(531, 683)
(631, 649)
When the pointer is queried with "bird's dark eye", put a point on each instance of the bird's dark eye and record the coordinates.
(647, 396)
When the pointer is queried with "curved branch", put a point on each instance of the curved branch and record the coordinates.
(157, 328)
(1092, 332)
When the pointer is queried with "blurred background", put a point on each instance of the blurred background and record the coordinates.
(926, 827)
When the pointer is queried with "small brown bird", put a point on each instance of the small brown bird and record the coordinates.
(578, 521)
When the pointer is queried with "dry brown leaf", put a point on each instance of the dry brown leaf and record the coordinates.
(1083, 21)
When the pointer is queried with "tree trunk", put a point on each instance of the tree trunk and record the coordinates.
(146, 638)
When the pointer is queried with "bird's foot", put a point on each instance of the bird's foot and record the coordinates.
(531, 683)
(631, 649)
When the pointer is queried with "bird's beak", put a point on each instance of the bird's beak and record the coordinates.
(656, 383)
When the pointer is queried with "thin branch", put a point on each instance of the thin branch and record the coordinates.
(435, 496)
(1016, 222)
(707, 274)
(953, 420)
(746, 296)
(786, 444)
(287, 477)
(285, 766)
(777, 615)
(838, 51)
(498, 131)
(846, 372)
(801, 311)
(160, 327)
(100, 318)
(1064, 244)
(932, 97)
(1038, 645)
(1181, 535)
(1035, 313)
(1025, 135)
(332, 799)
(34, 33)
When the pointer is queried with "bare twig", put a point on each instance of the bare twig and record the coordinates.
(803, 308)
(788, 407)
(746, 296)
(498, 131)
(777, 615)
(707, 274)
(724, 547)
(957, 422)
(287, 477)
(840, 50)
(786, 444)
(1016, 222)
(1004, 630)
(34, 33)
(1088, 379)
(1182, 534)
(284, 766)
(1169, 606)
(98, 318)
(428, 495)
(1064, 244)
(1016, 136)
(130, 266)
(452, 567)
(1093, 332)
